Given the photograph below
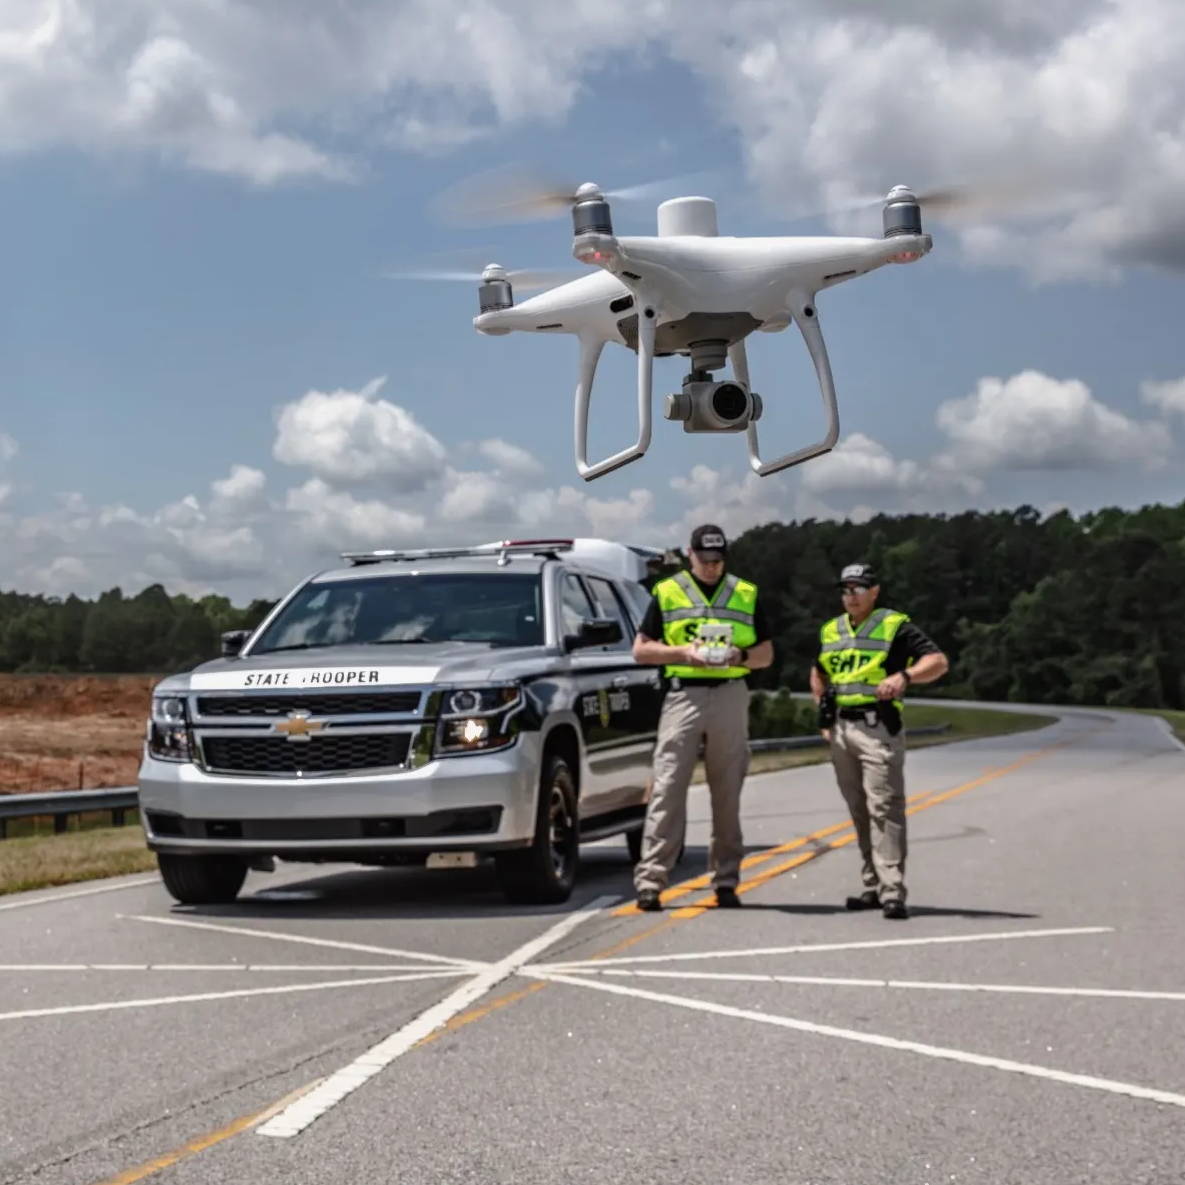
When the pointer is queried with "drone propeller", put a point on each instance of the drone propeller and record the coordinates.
(515, 194)
(523, 279)
(998, 195)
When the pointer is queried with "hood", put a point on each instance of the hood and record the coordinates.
(372, 667)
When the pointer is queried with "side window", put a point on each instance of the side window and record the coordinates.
(638, 599)
(574, 606)
(609, 606)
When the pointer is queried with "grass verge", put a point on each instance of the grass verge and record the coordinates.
(41, 861)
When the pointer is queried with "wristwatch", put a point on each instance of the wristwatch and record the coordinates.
(906, 676)
(744, 656)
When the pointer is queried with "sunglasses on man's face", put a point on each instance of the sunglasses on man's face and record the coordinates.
(854, 590)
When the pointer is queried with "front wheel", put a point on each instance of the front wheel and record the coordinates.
(544, 873)
(202, 880)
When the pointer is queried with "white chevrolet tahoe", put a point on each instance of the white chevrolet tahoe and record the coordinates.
(434, 706)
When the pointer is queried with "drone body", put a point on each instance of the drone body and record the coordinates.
(690, 292)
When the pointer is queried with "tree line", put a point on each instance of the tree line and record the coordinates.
(1059, 609)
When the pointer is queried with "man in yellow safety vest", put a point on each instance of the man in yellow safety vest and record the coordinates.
(868, 657)
(708, 630)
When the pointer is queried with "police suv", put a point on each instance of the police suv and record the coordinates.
(431, 706)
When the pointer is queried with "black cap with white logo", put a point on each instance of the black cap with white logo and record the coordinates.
(862, 574)
(709, 542)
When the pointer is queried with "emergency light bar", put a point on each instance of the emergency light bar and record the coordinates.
(504, 548)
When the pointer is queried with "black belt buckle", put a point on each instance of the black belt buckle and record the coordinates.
(872, 717)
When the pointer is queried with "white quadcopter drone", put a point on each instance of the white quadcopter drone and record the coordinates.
(690, 292)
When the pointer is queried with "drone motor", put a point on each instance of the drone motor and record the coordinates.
(590, 212)
(495, 292)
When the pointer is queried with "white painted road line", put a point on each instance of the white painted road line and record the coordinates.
(934, 1051)
(294, 1119)
(1168, 728)
(245, 931)
(906, 984)
(133, 884)
(317, 968)
(812, 948)
(114, 1005)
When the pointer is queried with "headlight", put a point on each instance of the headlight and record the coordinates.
(168, 729)
(478, 719)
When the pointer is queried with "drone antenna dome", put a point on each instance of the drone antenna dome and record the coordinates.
(687, 216)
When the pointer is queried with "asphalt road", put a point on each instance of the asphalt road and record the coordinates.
(1026, 1025)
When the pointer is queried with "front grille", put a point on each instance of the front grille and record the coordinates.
(319, 754)
(344, 704)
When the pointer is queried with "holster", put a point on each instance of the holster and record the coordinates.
(890, 717)
(827, 710)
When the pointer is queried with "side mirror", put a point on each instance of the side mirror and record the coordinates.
(595, 631)
(232, 642)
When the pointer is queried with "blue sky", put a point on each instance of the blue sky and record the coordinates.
(197, 320)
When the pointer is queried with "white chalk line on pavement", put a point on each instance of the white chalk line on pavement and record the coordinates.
(933, 1051)
(812, 948)
(132, 884)
(115, 1005)
(279, 936)
(294, 1119)
(904, 984)
(316, 968)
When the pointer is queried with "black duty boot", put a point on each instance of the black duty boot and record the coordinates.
(867, 900)
(895, 910)
(727, 898)
(649, 900)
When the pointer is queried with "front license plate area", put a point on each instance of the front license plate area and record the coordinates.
(452, 860)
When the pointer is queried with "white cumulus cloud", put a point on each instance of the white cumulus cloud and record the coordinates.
(352, 438)
(1169, 397)
(1033, 421)
(1080, 99)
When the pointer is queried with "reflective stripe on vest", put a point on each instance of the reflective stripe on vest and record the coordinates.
(685, 611)
(855, 659)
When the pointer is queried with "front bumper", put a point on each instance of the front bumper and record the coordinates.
(474, 802)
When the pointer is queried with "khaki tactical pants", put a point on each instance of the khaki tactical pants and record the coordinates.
(870, 768)
(720, 716)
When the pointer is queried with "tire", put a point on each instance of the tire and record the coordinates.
(633, 841)
(545, 873)
(202, 880)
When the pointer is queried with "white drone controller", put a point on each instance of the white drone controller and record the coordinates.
(688, 291)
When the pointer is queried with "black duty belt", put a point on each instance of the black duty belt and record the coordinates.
(677, 683)
(857, 713)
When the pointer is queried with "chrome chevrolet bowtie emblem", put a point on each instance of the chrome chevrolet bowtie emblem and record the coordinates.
(298, 726)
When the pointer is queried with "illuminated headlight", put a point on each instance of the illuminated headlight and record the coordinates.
(479, 719)
(168, 729)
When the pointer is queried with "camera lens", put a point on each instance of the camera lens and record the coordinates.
(729, 401)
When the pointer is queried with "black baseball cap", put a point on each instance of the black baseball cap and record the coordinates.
(709, 542)
(863, 574)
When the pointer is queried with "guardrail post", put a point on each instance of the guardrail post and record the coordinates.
(61, 822)
(117, 817)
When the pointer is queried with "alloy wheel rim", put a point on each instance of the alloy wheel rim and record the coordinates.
(560, 830)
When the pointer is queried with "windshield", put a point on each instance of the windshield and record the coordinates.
(501, 610)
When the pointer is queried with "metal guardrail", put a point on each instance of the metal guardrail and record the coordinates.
(61, 804)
